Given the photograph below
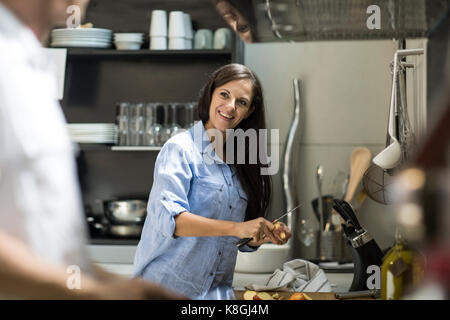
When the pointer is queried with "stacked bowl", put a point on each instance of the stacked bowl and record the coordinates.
(128, 41)
(81, 37)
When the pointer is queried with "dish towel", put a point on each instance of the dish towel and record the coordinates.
(297, 275)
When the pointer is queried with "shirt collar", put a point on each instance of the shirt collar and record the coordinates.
(12, 28)
(202, 142)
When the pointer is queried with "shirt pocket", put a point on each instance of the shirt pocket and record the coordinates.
(207, 197)
(242, 203)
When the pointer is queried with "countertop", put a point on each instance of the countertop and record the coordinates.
(314, 295)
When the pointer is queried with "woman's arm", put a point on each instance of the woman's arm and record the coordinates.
(191, 225)
(188, 224)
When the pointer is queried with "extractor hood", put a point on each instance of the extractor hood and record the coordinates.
(306, 20)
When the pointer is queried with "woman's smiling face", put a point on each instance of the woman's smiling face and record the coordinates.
(230, 104)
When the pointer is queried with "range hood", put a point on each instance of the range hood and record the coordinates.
(306, 20)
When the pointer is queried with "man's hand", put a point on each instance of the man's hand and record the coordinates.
(134, 289)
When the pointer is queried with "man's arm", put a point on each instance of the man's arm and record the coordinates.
(25, 275)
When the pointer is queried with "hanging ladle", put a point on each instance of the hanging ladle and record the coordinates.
(391, 155)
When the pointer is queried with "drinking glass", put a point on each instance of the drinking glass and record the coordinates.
(166, 132)
(175, 128)
(122, 122)
(190, 114)
(152, 136)
(137, 124)
(149, 136)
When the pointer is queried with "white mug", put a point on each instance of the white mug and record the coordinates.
(222, 39)
(203, 39)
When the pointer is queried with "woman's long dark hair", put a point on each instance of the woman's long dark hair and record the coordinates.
(258, 187)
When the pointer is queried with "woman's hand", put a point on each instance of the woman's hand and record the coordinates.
(262, 231)
(281, 232)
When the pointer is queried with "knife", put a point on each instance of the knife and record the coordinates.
(244, 241)
(374, 293)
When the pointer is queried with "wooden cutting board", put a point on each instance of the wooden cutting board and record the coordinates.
(314, 295)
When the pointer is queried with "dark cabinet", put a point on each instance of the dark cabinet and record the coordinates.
(97, 79)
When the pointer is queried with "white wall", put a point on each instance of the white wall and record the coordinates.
(345, 92)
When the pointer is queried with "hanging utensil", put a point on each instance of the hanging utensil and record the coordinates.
(391, 156)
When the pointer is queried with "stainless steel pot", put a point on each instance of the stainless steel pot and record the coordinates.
(125, 211)
(125, 231)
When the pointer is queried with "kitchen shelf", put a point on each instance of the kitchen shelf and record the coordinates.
(109, 147)
(114, 241)
(93, 146)
(126, 148)
(144, 53)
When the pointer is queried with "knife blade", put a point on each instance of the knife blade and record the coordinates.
(244, 241)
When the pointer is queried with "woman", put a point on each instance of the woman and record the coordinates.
(200, 206)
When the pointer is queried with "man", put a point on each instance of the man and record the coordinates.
(42, 233)
(235, 18)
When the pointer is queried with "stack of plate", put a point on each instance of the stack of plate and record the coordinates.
(93, 132)
(82, 38)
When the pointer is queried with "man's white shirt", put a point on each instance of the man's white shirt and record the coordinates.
(40, 200)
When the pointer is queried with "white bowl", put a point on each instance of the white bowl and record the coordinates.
(129, 37)
(128, 45)
(266, 259)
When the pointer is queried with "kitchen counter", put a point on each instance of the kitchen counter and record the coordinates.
(314, 295)
(339, 281)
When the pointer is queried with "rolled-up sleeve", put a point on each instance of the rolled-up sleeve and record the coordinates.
(171, 184)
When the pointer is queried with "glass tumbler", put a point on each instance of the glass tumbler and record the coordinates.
(137, 124)
(190, 114)
(166, 127)
(175, 128)
(152, 135)
(122, 116)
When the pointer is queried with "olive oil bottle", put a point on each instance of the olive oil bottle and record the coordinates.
(396, 270)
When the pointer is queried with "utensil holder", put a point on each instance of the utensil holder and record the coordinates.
(330, 245)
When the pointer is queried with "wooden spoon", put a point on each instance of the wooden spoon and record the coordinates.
(359, 163)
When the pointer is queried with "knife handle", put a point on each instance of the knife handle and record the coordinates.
(356, 294)
(243, 241)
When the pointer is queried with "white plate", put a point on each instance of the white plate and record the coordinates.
(81, 44)
(81, 38)
(82, 31)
